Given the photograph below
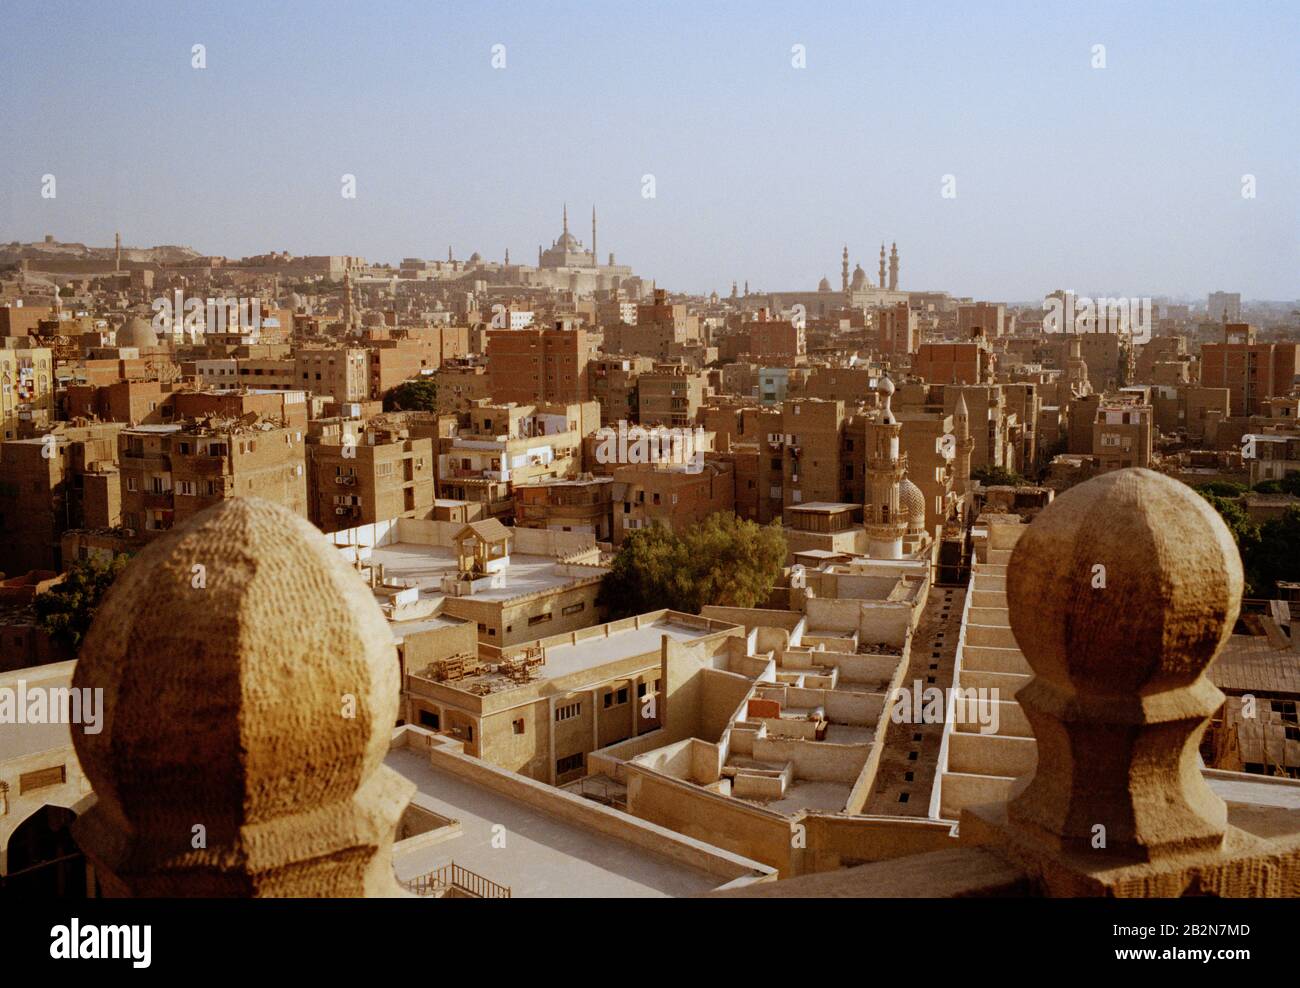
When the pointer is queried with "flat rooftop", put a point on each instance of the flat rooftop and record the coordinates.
(425, 566)
(565, 659)
(543, 855)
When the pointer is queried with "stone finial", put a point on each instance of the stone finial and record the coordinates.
(1121, 593)
(250, 690)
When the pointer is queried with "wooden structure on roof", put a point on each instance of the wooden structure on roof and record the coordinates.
(479, 544)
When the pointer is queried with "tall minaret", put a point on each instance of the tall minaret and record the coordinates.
(347, 302)
(882, 265)
(117, 252)
(507, 257)
(965, 444)
(844, 275)
(886, 466)
(566, 219)
(595, 258)
(893, 267)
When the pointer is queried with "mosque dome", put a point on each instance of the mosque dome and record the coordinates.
(824, 285)
(911, 503)
(136, 332)
(859, 279)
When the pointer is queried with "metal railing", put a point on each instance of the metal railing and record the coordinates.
(452, 876)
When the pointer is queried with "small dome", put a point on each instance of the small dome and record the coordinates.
(136, 332)
(824, 285)
(911, 502)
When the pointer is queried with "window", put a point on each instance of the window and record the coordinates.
(622, 695)
(538, 619)
(429, 719)
(567, 711)
(570, 763)
(577, 608)
(518, 725)
(609, 700)
(640, 689)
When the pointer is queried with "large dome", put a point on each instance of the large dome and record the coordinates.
(136, 332)
(859, 279)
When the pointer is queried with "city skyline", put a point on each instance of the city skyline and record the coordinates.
(246, 154)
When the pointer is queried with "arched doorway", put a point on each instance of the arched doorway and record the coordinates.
(44, 860)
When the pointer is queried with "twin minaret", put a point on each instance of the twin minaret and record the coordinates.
(887, 280)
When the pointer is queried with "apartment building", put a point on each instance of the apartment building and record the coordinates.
(495, 446)
(567, 504)
(532, 366)
(542, 708)
(612, 381)
(460, 384)
(1122, 435)
(672, 496)
(896, 332)
(1252, 372)
(342, 373)
(988, 318)
(172, 472)
(381, 474)
(26, 384)
(49, 484)
(952, 363)
(670, 395)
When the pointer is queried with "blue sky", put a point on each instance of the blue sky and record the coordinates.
(1125, 179)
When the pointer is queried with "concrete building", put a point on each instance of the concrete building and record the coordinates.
(360, 480)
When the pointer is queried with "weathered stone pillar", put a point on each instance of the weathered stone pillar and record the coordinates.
(250, 690)
(1120, 594)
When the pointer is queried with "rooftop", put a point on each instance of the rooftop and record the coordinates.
(543, 854)
(425, 566)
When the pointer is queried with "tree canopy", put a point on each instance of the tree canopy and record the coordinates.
(720, 560)
(417, 395)
(66, 610)
(992, 476)
(1270, 551)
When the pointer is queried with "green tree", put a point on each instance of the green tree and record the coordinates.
(1245, 532)
(997, 477)
(417, 395)
(66, 610)
(1276, 556)
(720, 560)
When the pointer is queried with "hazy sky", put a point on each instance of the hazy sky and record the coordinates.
(1125, 179)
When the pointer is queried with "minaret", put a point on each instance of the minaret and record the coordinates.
(893, 267)
(882, 265)
(347, 302)
(507, 257)
(117, 252)
(566, 220)
(965, 444)
(886, 466)
(595, 262)
(844, 274)
(449, 253)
